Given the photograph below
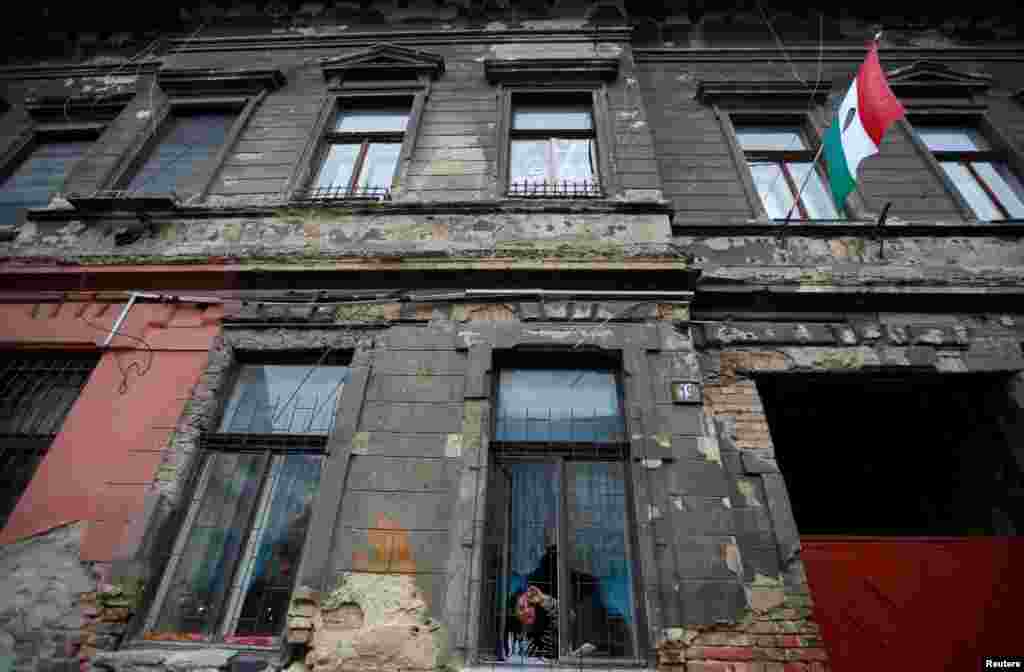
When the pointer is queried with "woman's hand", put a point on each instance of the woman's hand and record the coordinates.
(534, 595)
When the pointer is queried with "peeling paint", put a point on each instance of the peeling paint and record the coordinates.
(840, 359)
(652, 463)
(453, 446)
(708, 447)
(663, 439)
(677, 502)
(361, 443)
(726, 502)
(731, 557)
(748, 489)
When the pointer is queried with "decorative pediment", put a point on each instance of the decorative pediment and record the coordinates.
(545, 70)
(218, 81)
(383, 62)
(933, 79)
(723, 92)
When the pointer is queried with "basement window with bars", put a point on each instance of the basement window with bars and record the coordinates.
(233, 567)
(559, 579)
(37, 390)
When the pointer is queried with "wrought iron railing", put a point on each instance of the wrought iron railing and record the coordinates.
(555, 189)
(343, 193)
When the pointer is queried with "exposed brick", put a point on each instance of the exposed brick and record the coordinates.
(720, 653)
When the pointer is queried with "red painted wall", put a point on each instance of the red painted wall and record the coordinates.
(916, 603)
(103, 462)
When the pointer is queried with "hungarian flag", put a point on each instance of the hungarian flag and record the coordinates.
(865, 113)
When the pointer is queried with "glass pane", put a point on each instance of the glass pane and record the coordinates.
(971, 191)
(1006, 186)
(337, 169)
(269, 578)
(601, 587)
(38, 178)
(774, 190)
(816, 197)
(294, 399)
(951, 139)
(770, 138)
(551, 117)
(200, 584)
(532, 630)
(529, 161)
(573, 159)
(383, 119)
(559, 405)
(189, 142)
(379, 166)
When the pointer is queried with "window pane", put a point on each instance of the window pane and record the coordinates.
(600, 595)
(573, 159)
(269, 578)
(337, 169)
(1006, 186)
(379, 166)
(971, 191)
(529, 161)
(951, 139)
(816, 197)
(291, 399)
(559, 405)
(770, 138)
(774, 190)
(38, 178)
(532, 556)
(383, 119)
(189, 142)
(551, 117)
(201, 579)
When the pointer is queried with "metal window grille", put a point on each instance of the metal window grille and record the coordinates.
(342, 193)
(558, 512)
(556, 189)
(36, 393)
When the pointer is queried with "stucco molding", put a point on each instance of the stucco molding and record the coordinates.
(575, 70)
(383, 61)
(206, 81)
(931, 78)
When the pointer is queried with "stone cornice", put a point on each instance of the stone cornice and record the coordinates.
(851, 54)
(57, 71)
(418, 38)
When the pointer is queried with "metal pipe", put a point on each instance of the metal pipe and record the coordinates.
(120, 319)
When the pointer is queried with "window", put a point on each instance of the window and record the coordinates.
(37, 390)
(781, 164)
(183, 148)
(361, 151)
(552, 149)
(980, 175)
(558, 519)
(233, 567)
(36, 178)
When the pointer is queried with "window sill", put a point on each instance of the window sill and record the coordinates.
(121, 201)
(320, 195)
(563, 664)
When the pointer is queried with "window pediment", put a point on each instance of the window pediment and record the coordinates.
(933, 79)
(49, 109)
(218, 81)
(385, 62)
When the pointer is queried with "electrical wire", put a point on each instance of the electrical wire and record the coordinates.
(140, 370)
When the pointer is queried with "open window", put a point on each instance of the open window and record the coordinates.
(233, 567)
(559, 582)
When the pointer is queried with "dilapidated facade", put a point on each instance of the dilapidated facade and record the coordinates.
(331, 329)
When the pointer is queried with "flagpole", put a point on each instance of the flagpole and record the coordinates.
(814, 161)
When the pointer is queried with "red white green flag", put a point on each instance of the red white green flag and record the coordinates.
(868, 109)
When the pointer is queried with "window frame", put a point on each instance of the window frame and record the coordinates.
(810, 126)
(325, 137)
(213, 443)
(595, 93)
(1001, 151)
(198, 186)
(559, 453)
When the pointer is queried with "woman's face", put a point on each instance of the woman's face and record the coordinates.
(525, 611)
